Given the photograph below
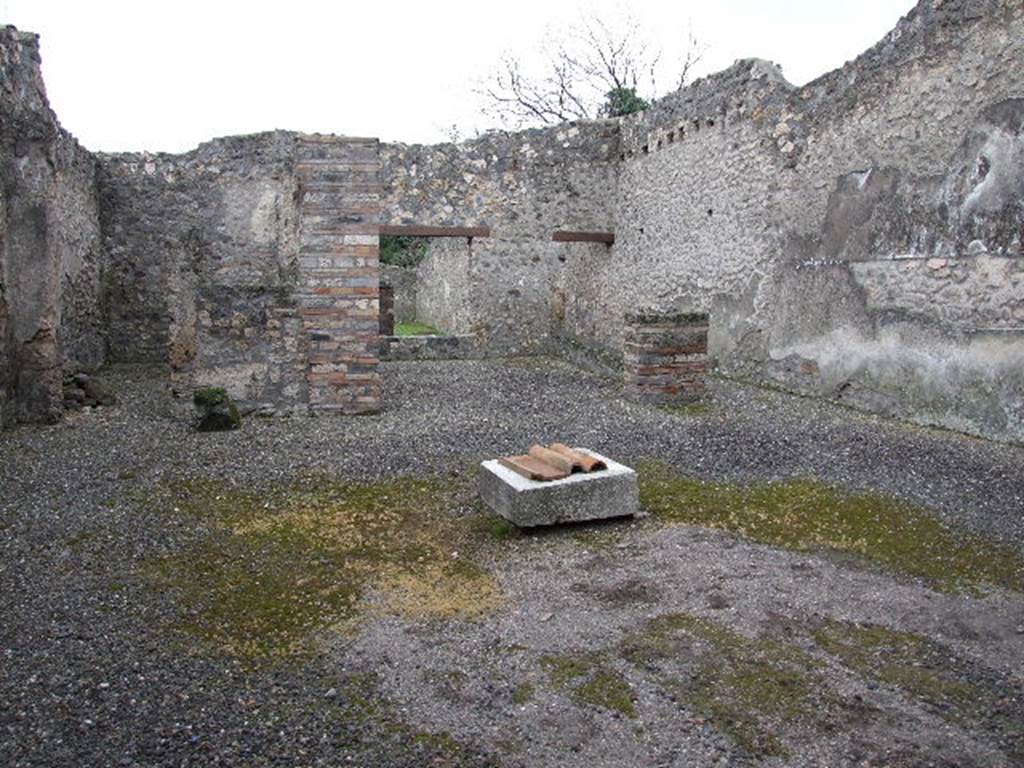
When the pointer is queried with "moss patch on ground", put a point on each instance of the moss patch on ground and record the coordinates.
(591, 681)
(492, 526)
(929, 674)
(691, 410)
(806, 515)
(365, 722)
(748, 688)
(210, 396)
(763, 693)
(523, 693)
(275, 568)
(897, 658)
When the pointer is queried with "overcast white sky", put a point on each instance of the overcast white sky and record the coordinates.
(165, 76)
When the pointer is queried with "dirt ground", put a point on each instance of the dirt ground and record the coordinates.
(809, 587)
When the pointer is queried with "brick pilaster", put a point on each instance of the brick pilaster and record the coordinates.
(665, 356)
(339, 272)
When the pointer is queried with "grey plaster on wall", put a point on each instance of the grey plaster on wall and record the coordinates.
(203, 250)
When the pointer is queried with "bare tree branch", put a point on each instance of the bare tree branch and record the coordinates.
(595, 70)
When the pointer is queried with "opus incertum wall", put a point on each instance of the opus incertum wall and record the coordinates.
(857, 238)
(249, 263)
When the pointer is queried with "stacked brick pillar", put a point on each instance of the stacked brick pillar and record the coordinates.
(665, 356)
(339, 272)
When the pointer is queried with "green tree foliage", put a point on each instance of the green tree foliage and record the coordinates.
(623, 101)
(402, 250)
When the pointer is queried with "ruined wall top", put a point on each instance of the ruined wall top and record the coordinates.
(756, 90)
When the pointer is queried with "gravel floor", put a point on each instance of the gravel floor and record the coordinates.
(91, 674)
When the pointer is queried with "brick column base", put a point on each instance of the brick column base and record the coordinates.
(665, 356)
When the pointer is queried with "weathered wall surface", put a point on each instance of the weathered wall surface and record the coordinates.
(405, 284)
(204, 253)
(51, 265)
(858, 238)
(697, 206)
(249, 263)
(524, 186)
(445, 297)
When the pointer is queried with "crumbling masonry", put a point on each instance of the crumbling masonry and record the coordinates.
(859, 238)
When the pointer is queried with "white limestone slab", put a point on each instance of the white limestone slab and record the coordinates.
(611, 492)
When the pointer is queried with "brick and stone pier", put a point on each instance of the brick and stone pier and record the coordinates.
(339, 271)
(665, 356)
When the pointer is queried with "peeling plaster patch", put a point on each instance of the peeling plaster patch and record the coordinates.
(979, 374)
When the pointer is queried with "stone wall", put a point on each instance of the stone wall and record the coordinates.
(51, 262)
(204, 253)
(249, 263)
(858, 238)
(405, 284)
(524, 186)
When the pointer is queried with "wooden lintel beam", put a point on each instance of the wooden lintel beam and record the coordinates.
(416, 230)
(567, 236)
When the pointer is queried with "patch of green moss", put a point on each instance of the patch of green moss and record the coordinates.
(207, 397)
(273, 569)
(564, 669)
(494, 526)
(905, 660)
(932, 676)
(607, 688)
(689, 410)
(806, 515)
(523, 693)
(369, 724)
(746, 687)
(591, 681)
(442, 742)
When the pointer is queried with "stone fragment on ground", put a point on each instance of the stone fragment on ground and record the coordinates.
(82, 390)
(215, 410)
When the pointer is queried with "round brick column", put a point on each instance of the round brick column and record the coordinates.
(665, 356)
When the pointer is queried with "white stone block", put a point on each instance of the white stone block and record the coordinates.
(612, 492)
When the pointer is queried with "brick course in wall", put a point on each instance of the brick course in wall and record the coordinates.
(339, 272)
(665, 357)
